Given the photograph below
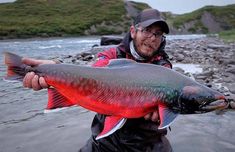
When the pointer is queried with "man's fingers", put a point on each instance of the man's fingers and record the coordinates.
(148, 116)
(34, 62)
(27, 81)
(43, 83)
(154, 116)
(30, 61)
(35, 83)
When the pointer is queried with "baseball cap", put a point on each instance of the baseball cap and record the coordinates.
(150, 16)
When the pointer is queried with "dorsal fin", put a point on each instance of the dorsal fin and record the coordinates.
(120, 62)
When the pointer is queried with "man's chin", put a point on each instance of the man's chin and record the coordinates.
(146, 54)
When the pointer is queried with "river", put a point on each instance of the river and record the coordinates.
(25, 127)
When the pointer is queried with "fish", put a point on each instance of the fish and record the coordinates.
(123, 89)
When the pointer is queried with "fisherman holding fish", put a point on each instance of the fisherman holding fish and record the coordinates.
(145, 43)
(135, 102)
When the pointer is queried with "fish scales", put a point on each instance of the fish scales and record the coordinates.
(105, 87)
(124, 89)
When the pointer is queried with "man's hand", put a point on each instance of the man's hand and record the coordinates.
(152, 116)
(31, 80)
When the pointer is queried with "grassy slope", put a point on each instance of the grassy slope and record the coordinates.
(56, 17)
(228, 36)
(223, 14)
(140, 5)
(33, 18)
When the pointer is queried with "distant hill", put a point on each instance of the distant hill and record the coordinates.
(47, 18)
(44, 18)
(209, 19)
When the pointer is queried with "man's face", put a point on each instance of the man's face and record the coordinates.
(147, 40)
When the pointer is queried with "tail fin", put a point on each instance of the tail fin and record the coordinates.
(15, 67)
(57, 100)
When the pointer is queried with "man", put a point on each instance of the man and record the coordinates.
(144, 43)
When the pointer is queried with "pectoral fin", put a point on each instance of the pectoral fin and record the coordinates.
(167, 117)
(111, 124)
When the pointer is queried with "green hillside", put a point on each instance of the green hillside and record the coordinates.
(47, 18)
(43, 18)
(223, 16)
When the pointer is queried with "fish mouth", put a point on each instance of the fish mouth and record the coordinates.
(216, 105)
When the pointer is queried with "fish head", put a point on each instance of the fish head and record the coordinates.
(200, 99)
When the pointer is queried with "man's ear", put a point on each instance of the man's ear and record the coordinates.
(133, 31)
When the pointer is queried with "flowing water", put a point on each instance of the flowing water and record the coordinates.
(25, 127)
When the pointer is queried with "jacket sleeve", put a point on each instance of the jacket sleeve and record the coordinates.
(104, 57)
(165, 63)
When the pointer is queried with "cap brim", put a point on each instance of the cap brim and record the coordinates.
(161, 23)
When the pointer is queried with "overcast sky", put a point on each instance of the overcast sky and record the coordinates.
(177, 6)
(183, 6)
(4, 1)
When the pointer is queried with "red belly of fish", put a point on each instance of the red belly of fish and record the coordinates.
(106, 99)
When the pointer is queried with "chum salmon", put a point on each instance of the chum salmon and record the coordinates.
(121, 90)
